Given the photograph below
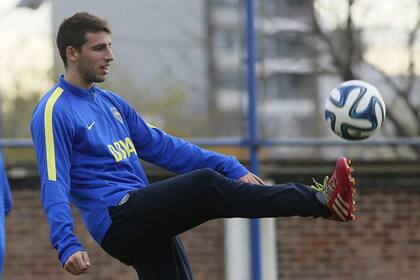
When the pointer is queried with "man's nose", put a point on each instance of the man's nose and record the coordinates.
(109, 55)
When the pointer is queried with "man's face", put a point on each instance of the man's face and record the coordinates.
(93, 60)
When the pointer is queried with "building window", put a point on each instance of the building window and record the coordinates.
(286, 45)
(226, 3)
(227, 40)
(290, 86)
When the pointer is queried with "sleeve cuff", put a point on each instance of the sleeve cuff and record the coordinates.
(68, 252)
(238, 172)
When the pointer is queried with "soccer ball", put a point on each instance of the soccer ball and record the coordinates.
(354, 110)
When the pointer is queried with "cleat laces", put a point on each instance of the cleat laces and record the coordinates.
(323, 188)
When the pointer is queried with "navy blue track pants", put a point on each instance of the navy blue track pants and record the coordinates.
(144, 229)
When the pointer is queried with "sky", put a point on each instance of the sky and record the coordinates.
(25, 48)
(386, 44)
(371, 13)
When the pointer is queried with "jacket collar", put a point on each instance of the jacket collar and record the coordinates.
(83, 92)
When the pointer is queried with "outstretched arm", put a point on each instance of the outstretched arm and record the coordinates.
(181, 156)
(172, 153)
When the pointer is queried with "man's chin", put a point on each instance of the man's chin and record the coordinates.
(100, 79)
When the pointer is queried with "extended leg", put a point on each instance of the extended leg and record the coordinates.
(165, 209)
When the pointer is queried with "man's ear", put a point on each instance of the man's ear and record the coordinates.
(72, 54)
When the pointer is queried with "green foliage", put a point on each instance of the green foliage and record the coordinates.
(17, 116)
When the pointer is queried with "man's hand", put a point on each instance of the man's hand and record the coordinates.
(77, 263)
(252, 179)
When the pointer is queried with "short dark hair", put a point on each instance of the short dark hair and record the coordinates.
(72, 31)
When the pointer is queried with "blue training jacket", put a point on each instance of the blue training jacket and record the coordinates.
(88, 143)
(5, 207)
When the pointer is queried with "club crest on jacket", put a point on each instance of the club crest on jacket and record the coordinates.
(116, 114)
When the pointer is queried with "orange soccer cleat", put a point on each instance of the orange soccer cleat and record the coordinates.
(338, 191)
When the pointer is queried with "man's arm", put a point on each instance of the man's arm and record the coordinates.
(181, 156)
(52, 133)
(172, 153)
(175, 154)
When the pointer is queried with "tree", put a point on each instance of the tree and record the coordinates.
(348, 44)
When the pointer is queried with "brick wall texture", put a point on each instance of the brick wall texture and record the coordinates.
(384, 243)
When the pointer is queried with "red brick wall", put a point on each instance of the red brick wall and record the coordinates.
(384, 243)
(30, 256)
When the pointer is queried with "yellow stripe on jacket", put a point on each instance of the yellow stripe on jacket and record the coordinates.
(49, 133)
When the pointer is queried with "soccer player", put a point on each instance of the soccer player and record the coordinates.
(5, 207)
(88, 143)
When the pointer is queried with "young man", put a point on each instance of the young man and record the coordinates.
(5, 207)
(88, 143)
